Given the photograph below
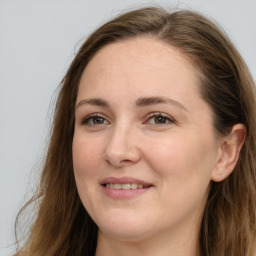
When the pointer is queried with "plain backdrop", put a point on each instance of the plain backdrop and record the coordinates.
(38, 40)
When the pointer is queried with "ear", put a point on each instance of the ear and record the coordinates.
(229, 150)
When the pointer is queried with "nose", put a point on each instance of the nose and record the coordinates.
(122, 147)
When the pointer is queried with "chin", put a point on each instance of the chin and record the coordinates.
(126, 229)
(127, 235)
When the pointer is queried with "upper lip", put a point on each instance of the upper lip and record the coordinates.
(124, 180)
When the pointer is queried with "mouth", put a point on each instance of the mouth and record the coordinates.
(126, 186)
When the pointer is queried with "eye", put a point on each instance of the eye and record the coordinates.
(159, 119)
(94, 120)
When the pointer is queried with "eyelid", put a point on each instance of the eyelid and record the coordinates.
(85, 119)
(156, 114)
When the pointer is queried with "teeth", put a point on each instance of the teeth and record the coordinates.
(117, 186)
(124, 186)
(134, 186)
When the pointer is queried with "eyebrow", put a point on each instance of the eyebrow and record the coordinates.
(141, 102)
(148, 101)
(94, 102)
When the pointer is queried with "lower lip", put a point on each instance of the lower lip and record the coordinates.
(124, 193)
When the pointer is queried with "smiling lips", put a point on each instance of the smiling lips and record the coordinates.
(123, 188)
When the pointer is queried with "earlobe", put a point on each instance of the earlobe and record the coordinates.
(230, 148)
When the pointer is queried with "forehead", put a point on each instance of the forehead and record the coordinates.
(147, 51)
(139, 63)
(136, 58)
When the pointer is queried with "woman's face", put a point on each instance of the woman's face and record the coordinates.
(144, 147)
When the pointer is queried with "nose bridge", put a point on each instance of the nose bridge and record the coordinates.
(122, 147)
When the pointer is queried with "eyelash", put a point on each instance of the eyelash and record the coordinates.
(95, 116)
(92, 117)
(160, 115)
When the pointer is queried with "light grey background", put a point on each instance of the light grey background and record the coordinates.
(38, 40)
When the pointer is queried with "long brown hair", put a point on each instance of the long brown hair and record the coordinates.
(62, 225)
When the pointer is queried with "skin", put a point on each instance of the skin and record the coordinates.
(178, 156)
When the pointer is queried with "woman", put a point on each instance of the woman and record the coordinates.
(153, 144)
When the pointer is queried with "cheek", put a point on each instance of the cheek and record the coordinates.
(86, 161)
(86, 157)
(185, 165)
(183, 157)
